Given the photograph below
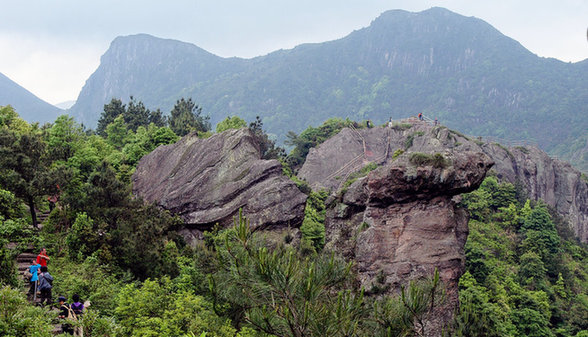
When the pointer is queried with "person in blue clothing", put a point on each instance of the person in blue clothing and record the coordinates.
(33, 269)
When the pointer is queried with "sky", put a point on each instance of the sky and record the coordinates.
(51, 47)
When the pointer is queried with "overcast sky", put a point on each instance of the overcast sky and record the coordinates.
(51, 47)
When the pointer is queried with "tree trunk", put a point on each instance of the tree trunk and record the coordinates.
(31, 203)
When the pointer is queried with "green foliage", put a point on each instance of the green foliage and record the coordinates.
(10, 120)
(8, 274)
(288, 295)
(64, 138)
(18, 318)
(421, 159)
(81, 233)
(267, 146)
(111, 110)
(520, 271)
(116, 132)
(155, 309)
(397, 153)
(10, 207)
(91, 280)
(313, 225)
(186, 117)
(491, 197)
(401, 126)
(23, 166)
(233, 122)
(134, 115)
(312, 137)
(359, 174)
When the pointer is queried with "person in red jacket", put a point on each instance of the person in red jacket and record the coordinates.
(42, 258)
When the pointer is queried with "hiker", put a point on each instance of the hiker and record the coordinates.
(78, 308)
(65, 313)
(53, 199)
(45, 286)
(436, 121)
(390, 124)
(42, 258)
(420, 116)
(33, 271)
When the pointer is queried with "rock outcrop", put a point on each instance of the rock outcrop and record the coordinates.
(401, 222)
(207, 181)
(556, 183)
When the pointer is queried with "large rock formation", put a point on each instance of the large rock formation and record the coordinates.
(207, 181)
(556, 183)
(401, 222)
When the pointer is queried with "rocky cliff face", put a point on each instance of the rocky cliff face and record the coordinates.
(401, 222)
(207, 181)
(556, 183)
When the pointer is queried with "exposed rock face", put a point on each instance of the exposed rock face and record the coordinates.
(206, 181)
(555, 182)
(401, 222)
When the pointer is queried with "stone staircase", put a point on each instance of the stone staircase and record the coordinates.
(25, 259)
(42, 217)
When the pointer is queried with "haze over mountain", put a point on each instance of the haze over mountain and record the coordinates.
(29, 107)
(458, 69)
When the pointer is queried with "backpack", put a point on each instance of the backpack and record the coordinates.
(71, 315)
(45, 282)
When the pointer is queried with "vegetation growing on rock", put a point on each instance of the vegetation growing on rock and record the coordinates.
(526, 273)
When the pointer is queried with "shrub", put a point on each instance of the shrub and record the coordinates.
(421, 159)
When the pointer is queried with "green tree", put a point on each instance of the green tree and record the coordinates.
(111, 110)
(23, 166)
(313, 225)
(64, 138)
(117, 132)
(136, 115)
(267, 147)
(154, 309)
(233, 122)
(186, 117)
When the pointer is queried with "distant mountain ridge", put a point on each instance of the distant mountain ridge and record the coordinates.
(29, 107)
(458, 69)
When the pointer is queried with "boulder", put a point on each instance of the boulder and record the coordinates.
(207, 181)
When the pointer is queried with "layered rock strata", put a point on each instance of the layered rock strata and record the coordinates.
(207, 181)
(543, 178)
(401, 222)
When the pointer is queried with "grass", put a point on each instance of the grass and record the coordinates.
(424, 159)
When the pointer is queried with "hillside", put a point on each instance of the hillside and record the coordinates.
(397, 217)
(30, 107)
(458, 69)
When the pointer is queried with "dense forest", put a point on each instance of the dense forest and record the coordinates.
(526, 273)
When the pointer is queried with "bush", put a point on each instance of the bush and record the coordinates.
(421, 159)
(19, 318)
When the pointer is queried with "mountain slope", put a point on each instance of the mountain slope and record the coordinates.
(29, 107)
(458, 69)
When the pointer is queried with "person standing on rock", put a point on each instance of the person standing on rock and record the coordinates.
(33, 269)
(42, 258)
(45, 286)
(420, 116)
